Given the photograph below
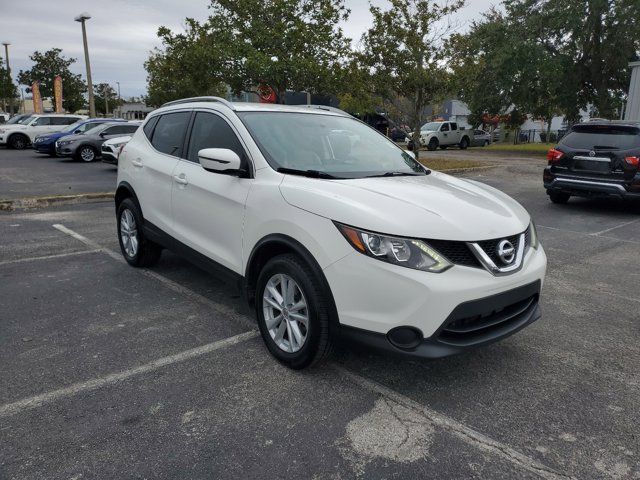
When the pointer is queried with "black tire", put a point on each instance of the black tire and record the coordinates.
(560, 198)
(86, 153)
(443, 147)
(433, 144)
(18, 141)
(464, 143)
(317, 344)
(147, 252)
(486, 143)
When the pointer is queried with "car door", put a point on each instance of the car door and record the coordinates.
(151, 160)
(444, 134)
(40, 126)
(208, 208)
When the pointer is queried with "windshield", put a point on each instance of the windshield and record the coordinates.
(21, 120)
(432, 126)
(82, 126)
(614, 137)
(328, 145)
(17, 119)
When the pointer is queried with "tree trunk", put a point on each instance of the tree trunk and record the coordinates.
(282, 92)
(416, 125)
(549, 129)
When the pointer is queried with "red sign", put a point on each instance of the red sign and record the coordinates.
(266, 94)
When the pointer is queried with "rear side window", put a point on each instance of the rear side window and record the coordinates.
(122, 129)
(63, 120)
(149, 126)
(211, 131)
(42, 121)
(614, 137)
(454, 126)
(168, 135)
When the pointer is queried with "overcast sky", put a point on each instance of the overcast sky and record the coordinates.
(122, 32)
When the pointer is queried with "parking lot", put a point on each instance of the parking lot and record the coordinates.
(113, 372)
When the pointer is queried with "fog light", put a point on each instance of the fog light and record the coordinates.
(406, 338)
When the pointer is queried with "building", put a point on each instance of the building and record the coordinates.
(132, 111)
(632, 112)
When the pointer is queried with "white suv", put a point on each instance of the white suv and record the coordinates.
(332, 229)
(21, 135)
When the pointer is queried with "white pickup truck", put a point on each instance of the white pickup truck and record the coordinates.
(444, 134)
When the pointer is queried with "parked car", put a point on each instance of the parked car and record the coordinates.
(47, 143)
(4, 117)
(20, 135)
(327, 239)
(86, 147)
(111, 149)
(480, 138)
(399, 135)
(443, 135)
(597, 158)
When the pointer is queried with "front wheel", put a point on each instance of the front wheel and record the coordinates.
(135, 248)
(18, 142)
(86, 153)
(433, 144)
(292, 309)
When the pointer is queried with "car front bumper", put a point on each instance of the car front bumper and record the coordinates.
(449, 312)
(108, 155)
(65, 150)
(44, 147)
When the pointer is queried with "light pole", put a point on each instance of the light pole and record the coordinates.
(82, 18)
(6, 57)
(119, 101)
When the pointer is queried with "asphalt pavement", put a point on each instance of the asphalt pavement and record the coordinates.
(115, 372)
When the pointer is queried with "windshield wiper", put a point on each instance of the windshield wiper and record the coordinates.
(306, 173)
(400, 174)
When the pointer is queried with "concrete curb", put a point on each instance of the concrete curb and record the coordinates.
(455, 171)
(53, 200)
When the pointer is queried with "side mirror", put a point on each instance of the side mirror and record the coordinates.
(77, 132)
(219, 160)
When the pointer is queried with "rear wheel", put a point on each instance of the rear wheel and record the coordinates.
(292, 308)
(86, 153)
(135, 248)
(559, 197)
(18, 141)
(464, 143)
(433, 144)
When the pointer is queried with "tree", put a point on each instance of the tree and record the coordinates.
(190, 64)
(105, 97)
(404, 50)
(282, 44)
(46, 66)
(8, 91)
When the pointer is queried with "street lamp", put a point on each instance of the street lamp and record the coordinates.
(82, 18)
(6, 57)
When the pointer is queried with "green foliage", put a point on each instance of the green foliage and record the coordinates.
(404, 50)
(285, 44)
(548, 57)
(8, 90)
(104, 95)
(46, 66)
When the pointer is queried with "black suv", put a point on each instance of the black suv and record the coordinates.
(594, 159)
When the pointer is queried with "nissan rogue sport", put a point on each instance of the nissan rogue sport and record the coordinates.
(331, 228)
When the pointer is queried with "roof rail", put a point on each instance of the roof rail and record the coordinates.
(226, 103)
(324, 107)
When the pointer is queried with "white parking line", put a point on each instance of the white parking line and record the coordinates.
(460, 430)
(48, 397)
(616, 227)
(47, 257)
(586, 234)
(176, 287)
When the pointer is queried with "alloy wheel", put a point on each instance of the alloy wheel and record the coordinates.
(129, 233)
(87, 154)
(285, 312)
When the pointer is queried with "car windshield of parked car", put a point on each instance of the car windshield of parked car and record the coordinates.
(431, 127)
(22, 121)
(614, 137)
(328, 145)
(18, 120)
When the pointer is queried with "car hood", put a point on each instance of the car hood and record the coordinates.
(435, 206)
(52, 136)
(72, 137)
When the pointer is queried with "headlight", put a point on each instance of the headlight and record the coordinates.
(533, 236)
(116, 146)
(65, 142)
(405, 252)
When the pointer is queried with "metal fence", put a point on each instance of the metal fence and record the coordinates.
(529, 136)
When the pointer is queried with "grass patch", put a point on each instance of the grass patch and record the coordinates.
(444, 164)
(535, 148)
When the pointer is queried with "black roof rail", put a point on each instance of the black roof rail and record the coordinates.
(221, 100)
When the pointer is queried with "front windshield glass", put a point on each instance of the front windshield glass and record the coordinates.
(82, 126)
(17, 119)
(342, 147)
(26, 120)
(73, 127)
(432, 126)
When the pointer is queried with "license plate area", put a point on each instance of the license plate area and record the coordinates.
(592, 164)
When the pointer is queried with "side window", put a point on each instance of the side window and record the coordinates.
(168, 135)
(454, 126)
(212, 131)
(128, 129)
(445, 127)
(110, 131)
(148, 127)
(42, 121)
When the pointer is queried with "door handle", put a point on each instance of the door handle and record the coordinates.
(136, 163)
(181, 179)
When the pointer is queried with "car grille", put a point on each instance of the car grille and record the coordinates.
(459, 253)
